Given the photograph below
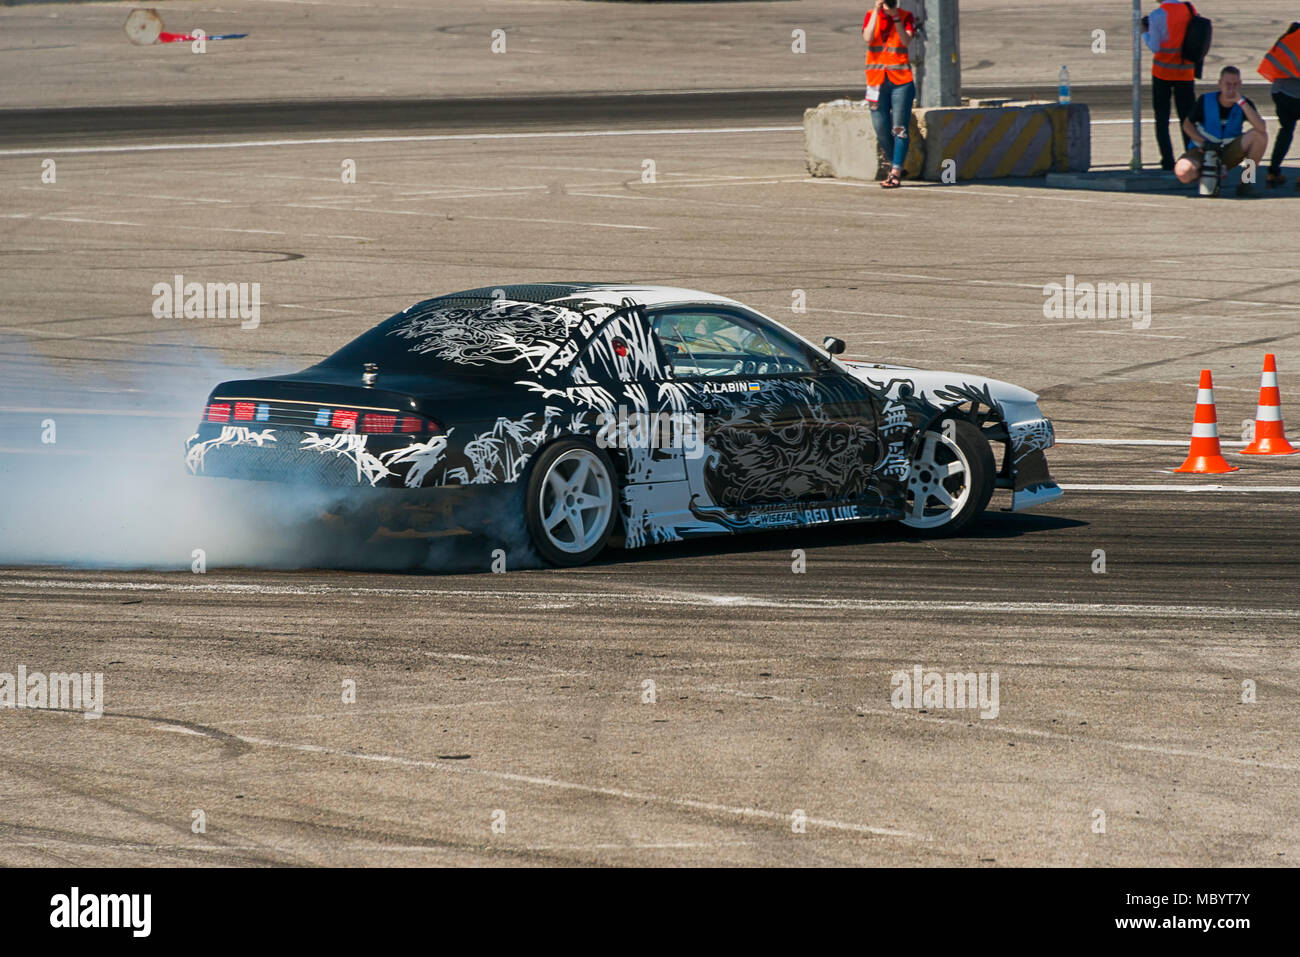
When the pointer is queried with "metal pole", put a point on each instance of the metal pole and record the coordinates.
(942, 54)
(1135, 163)
(916, 50)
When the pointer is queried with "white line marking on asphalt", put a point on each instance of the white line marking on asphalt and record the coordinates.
(362, 210)
(945, 319)
(962, 281)
(678, 845)
(105, 453)
(500, 662)
(574, 169)
(598, 600)
(421, 138)
(299, 305)
(1150, 119)
(168, 224)
(557, 222)
(1169, 442)
(378, 848)
(165, 848)
(640, 797)
(1181, 488)
(457, 189)
(50, 410)
(453, 706)
(1124, 332)
(721, 183)
(116, 222)
(578, 192)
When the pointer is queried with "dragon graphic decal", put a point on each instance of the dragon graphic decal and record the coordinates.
(505, 333)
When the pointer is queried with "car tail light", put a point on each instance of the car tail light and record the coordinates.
(344, 420)
(386, 423)
(414, 423)
(331, 417)
(378, 422)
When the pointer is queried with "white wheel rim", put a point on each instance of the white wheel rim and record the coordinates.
(577, 500)
(938, 484)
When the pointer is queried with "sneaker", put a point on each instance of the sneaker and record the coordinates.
(1245, 190)
(1273, 180)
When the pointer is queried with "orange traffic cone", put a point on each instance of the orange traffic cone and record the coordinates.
(1205, 454)
(1270, 436)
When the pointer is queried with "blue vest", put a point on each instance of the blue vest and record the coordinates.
(1224, 131)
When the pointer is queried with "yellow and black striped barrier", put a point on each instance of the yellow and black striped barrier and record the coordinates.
(993, 142)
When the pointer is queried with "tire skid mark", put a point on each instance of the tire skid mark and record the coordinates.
(641, 797)
(671, 598)
(1014, 730)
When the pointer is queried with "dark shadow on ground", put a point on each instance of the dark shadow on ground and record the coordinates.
(1150, 182)
(470, 554)
(990, 526)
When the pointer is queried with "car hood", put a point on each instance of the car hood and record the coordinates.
(928, 381)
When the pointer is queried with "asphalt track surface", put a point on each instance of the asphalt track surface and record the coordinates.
(59, 124)
(523, 693)
(521, 697)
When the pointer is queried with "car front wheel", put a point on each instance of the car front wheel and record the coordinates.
(571, 502)
(950, 481)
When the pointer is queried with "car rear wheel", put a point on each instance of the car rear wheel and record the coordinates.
(571, 502)
(951, 480)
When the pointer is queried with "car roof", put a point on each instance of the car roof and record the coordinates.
(611, 294)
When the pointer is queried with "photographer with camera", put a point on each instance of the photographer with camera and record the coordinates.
(1217, 124)
(891, 90)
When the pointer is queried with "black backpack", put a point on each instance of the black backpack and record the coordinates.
(1196, 41)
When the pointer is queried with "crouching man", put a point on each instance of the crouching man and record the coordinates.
(1221, 117)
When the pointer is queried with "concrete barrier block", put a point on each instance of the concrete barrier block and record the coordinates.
(1030, 139)
(1078, 158)
(840, 142)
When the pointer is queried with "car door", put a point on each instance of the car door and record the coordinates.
(622, 372)
(782, 426)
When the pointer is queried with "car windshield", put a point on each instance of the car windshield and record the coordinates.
(467, 336)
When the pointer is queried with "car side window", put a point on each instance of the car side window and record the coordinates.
(705, 343)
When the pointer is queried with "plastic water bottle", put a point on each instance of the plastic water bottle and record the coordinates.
(1063, 85)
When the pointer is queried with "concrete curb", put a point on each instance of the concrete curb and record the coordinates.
(1120, 181)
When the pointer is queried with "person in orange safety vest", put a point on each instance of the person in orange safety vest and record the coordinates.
(1171, 75)
(890, 87)
(1281, 64)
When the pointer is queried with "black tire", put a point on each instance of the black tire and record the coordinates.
(970, 490)
(352, 522)
(594, 508)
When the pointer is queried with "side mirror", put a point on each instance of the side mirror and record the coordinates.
(832, 345)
